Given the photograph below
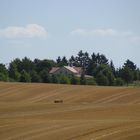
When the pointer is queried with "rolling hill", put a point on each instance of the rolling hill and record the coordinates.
(28, 112)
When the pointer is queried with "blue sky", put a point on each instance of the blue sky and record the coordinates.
(51, 28)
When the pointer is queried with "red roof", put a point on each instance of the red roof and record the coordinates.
(78, 69)
(71, 69)
(54, 69)
(75, 70)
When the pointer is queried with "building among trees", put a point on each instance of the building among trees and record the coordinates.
(68, 70)
(84, 69)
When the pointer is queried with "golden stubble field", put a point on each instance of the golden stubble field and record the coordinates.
(28, 112)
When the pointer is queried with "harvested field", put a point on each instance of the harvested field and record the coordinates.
(29, 112)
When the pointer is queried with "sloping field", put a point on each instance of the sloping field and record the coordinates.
(28, 112)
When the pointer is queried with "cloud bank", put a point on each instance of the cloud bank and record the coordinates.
(99, 32)
(29, 31)
(135, 39)
(109, 32)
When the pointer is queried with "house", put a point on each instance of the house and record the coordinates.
(67, 70)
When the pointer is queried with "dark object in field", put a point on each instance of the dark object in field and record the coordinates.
(58, 101)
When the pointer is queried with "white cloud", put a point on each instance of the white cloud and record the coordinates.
(135, 39)
(126, 36)
(29, 31)
(100, 32)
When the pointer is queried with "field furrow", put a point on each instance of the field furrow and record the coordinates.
(28, 112)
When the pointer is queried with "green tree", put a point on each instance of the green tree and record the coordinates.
(107, 72)
(127, 74)
(17, 62)
(43, 64)
(25, 77)
(55, 79)
(130, 65)
(74, 80)
(92, 65)
(101, 79)
(83, 79)
(111, 78)
(83, 60)
(101, 59)
(35, 77)
(3, 73)
(3, 77)
(3, 69)
(119, 82)
(72, 61)
(136, 75)
(46, 78)
(13, 72)
(58, 60)
(80, 58)
(27, 65)
(112, 68)
(64, 61)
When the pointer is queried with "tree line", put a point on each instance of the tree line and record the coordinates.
(96, 65)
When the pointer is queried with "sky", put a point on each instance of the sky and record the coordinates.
(46, 29)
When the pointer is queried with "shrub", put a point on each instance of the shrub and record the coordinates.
(74, 80)
(83, 79)
(64, 79)
(91, 81)
(119, 82)
(101, 79)
(55, 79)
(3, 77)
